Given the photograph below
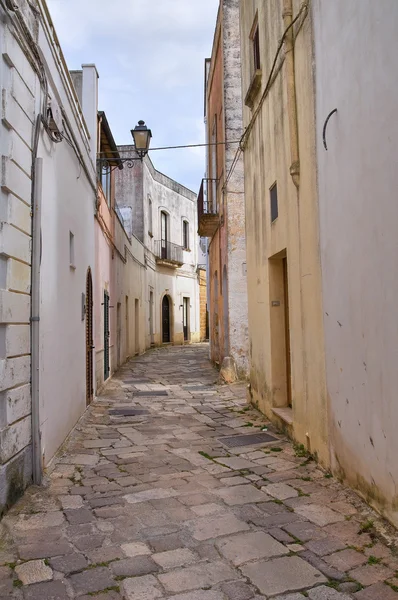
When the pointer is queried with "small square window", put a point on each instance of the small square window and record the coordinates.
(274, 202)
(256, 49)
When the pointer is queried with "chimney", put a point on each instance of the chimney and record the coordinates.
(90, 106)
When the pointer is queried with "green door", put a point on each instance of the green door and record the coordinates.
(106, 335)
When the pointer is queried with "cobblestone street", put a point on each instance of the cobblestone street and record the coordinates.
(149, 499)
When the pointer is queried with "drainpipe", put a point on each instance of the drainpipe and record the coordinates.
(291, 92)
(37, 182)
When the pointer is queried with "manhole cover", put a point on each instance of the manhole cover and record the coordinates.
(247, 440)
(152, 393)
(134, 381)
(128, 412)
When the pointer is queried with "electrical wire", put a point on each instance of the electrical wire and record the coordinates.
(173, 147)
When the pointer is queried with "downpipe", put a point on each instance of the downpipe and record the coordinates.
(291, 92)
(37, 187)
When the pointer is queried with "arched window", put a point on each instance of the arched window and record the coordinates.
(185, 235)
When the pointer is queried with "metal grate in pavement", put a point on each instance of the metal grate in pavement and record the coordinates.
(128, 412)
(151, 393)
(251, 439)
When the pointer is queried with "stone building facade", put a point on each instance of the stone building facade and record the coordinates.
(47, 205)
(321, 239)
(162, 215)
(287, 376)
(358, 219)
(221, 203)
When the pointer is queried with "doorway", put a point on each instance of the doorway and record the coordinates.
(106, 335)
(166, 320)
(185, 318)
(127, 328)
(89, 339)
(151, 318)
(287, 333)
(280, 331)
(137, 326)
(225, 313)
(119, 333)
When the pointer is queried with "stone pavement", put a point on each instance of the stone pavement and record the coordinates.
(154, 505)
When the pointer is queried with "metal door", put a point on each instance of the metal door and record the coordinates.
(119, 333)
(185, 318)
(106, 335)
(89, 339)
(166, 319)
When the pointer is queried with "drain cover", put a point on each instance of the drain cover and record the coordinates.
(128, 412)
(247, 440)
(152, 393)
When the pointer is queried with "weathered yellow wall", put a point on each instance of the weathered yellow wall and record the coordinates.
(203, 303)
(293, 234)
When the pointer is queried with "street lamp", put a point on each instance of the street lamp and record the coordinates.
(142, 138)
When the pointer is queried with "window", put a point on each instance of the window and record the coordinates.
(256, 49)
(255, 65)
(72, 250)
(255, 44)
(185, 235)
(274, 202)
(163, 229)
(106, 185)
(150, 217)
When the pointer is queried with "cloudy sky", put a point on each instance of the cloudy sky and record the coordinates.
(150, 57)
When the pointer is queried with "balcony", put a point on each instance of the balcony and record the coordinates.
(168, 254)
(208, 219)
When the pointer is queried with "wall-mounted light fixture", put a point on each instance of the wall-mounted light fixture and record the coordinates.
(142, 139)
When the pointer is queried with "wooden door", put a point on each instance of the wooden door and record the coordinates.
(287, 333)
(89, 339)
(106, 335)
(166, 319)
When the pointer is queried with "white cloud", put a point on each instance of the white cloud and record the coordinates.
(150, 56)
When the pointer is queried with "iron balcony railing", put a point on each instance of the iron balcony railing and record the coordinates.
(207, 198)
(168, 251)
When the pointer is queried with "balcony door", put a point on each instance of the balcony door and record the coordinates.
(163, 228)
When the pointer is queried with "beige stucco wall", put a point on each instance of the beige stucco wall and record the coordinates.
(359, 243)
(294, 235)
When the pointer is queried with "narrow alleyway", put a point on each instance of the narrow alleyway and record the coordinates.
(150, 500)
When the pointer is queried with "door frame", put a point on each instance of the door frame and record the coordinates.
(171, 318)
(281, 367)
(186, 318)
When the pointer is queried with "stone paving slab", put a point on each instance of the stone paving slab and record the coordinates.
(243, 548)
(35, 571)
(156, 508)
(199, 576)
(281, 575)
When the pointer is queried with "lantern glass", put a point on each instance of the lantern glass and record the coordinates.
(142, 138)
